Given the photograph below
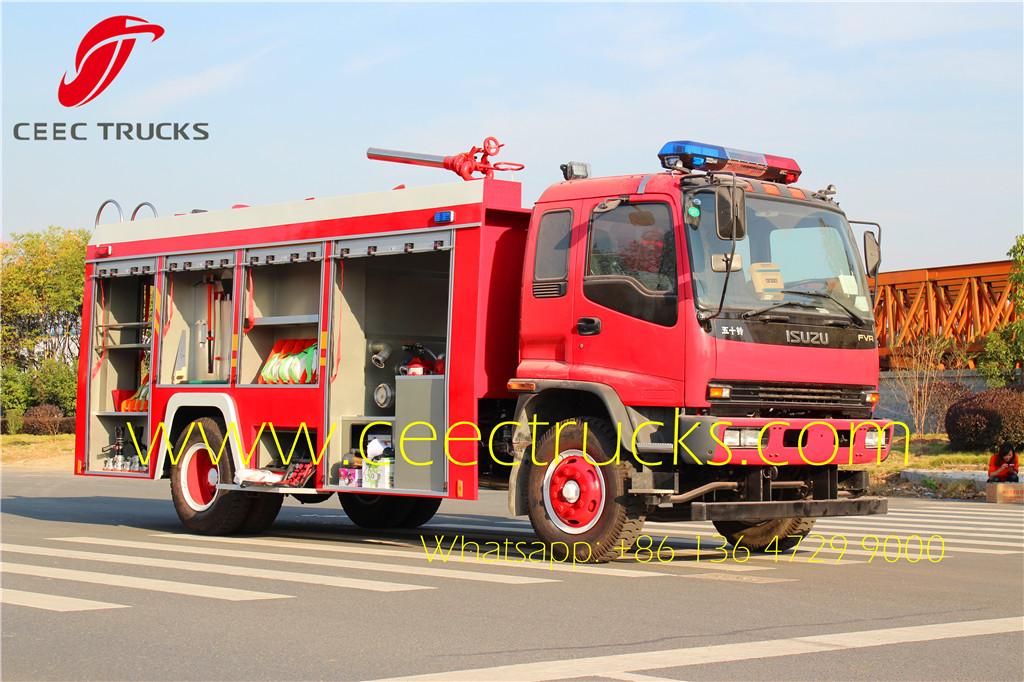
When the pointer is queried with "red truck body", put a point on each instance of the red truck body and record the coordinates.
(186, 315)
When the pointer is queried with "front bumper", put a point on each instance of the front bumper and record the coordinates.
(745, 511)
(817, 442)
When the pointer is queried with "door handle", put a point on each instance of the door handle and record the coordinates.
(588, 326)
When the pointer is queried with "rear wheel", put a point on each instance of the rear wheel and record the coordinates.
(758, 535)
(263, 510)
(423, 509)
(200, 505)
(376, 512)
(578, 502)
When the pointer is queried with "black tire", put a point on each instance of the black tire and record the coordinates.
(615, 525)
(423, 509)
(220, 514)
(758, 535)
(376, 512)
(262, 512)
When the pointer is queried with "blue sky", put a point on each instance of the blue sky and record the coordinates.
(913, 111)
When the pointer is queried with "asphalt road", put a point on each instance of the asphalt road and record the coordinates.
(101, 583)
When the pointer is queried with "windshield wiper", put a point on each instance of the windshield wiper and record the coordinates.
(857, 319)
(761, 311)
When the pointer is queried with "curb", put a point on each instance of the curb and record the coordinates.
(942, 476)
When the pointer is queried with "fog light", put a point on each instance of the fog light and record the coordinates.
(874, 439)
(749, 437)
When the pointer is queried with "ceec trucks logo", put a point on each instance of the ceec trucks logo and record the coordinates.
(101, 55)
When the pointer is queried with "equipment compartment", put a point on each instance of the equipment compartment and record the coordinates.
(198, 324)
(391, 318)
(120, 366)
(281, 317)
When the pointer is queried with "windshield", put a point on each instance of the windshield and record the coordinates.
(788, 246)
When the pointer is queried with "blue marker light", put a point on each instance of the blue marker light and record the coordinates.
(444, 216)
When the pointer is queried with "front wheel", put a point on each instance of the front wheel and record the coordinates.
(758, 535)
(578, 500)
(200, 505)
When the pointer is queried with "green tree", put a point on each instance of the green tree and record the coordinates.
(1004, 347)
(55, 383)
(41, 283)
(15, 391)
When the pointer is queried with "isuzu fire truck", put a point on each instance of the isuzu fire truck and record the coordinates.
(691, 344)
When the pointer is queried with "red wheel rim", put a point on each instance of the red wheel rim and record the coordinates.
(574, 493)
(201, 478)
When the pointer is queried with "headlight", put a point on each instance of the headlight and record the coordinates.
(732, 438)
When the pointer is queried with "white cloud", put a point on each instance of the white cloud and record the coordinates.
(173, 92)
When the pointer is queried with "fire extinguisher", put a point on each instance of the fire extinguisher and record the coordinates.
(422, 361)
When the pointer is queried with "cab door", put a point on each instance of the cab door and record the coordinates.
(547, 322)
(627, 330)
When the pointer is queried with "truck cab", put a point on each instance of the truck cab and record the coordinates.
(709, 329)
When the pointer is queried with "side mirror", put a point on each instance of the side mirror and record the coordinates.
(872, 254)
(731, 216)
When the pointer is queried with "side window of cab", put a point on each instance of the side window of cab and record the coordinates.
(551, 260)
(631, 260)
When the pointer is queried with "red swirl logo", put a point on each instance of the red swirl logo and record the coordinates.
(101, 56)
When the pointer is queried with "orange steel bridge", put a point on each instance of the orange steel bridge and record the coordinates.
(961, 302)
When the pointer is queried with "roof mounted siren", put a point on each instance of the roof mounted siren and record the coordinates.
(686, 155)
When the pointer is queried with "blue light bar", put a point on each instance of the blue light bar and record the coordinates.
(444, 217)
(689, 155)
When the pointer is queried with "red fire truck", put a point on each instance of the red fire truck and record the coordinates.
(690, 344)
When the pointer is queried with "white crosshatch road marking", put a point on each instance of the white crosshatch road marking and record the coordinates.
(454, 574)
(133, 582)
(53, 602)
(648, 661)
(418, 554)
(221, 569)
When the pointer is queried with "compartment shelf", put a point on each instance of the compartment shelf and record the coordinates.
(124, 346)
(124, 325)
(285, 320)
(126, 415)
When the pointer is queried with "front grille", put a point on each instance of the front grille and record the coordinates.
(827, 396)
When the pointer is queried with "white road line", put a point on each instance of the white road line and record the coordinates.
(733, 578)
(951, 538)
(455, 557)
(884, 519)
(221, 569)
(450, 573)
(956, 513)
(132, 582)
(635, 677)
(952, 505)
(951, 546)
(951, 541)
(629, 560)
(598, 666)
(53, 602)
(875, 527)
